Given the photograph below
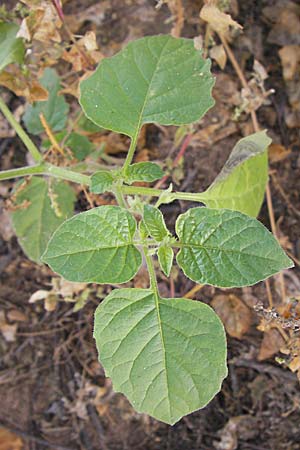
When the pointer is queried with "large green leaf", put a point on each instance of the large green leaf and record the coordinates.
(168, 356)
(42, 212)
(55, 109)
(11, 48)
(154, 79)
(242, 182)
(227, 248)
(95, 246)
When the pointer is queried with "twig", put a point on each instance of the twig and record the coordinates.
(50, 134)
(92, 412)
(193, 291)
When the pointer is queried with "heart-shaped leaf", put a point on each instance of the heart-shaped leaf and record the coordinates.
(227, 248)
(154, 79)
(168, 356)
(95, 246)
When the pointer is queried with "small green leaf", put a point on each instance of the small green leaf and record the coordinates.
(168, 356)
(11, 48)
(144, 171)
(95, 247)
(55, 109)
(155, 223)
(101, 181)
(37, 220)
(242, 182)
(143, 230)
(154, 79)
(165, 258)
(227, 248)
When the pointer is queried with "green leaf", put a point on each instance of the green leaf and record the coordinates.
(101, 181)
(227, 248)
(165, 258)
(154, 79)
(168, 356)
(79, 145)
(155, 223)
(95, 247)
(11, 48)
(35, 222)
(242, 182)
(144, 171)
(55, 109)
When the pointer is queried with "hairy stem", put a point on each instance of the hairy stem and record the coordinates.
(31, 147)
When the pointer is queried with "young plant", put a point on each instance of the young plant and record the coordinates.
(167, 355)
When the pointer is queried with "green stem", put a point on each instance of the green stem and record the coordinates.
(138, 190)
(46, 169)
(22, 172)
(130, 152)
(119, 196)
(67, 174)
(151, 270)
(20, 132)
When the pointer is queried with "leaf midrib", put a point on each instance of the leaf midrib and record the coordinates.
(140, 119)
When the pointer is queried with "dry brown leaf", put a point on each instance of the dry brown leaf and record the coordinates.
(9, 440)
(219, 55)
(239, 427)
(15, 315)
(294, 365)
(84, 53)
(8, 331)
(290, 61)
(271, 344)
(219, 21)
(43, 23)
(278, 152)
(15, 81)
(68, 288)
(233, 312)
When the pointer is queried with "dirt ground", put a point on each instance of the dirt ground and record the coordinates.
(53, 391)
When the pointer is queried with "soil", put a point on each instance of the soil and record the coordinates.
(53, 391)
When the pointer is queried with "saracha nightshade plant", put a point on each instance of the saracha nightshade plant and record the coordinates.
(167, 355)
